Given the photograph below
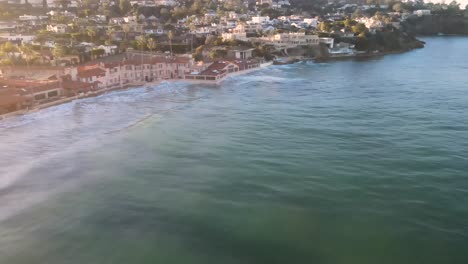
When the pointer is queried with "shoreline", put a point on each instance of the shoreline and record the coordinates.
(217, 82)
(124, 87)
(76, 97)
(360, 55)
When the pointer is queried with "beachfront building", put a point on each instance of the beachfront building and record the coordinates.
(290, 40)
(218, 70)
(136, 68)
(12, 100)
(329, 42)
(240, 53)
(34, 92)
(342, 49)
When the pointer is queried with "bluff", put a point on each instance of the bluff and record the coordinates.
(435, 24)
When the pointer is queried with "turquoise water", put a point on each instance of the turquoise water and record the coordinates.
(342, 162)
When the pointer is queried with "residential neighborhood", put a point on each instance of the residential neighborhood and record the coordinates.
(53, 51)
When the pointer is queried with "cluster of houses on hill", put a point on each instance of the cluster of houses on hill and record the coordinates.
(77, 69)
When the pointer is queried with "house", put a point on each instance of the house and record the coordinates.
(18, 38)
(311, 22)
(11, 100)
(291, 40)
(32, 72)
(91, 74)
(327, 41)
(247, 28)
(45, 92)
(108, 49)
(260, 19)
(34, 91)
(165, 2)
(57, 28)
(342, 48)
(214, 72)
(240, 53)
(422, 12)
(234, 36)
(73, 88)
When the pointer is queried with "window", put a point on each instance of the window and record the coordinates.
(41, 96)
(52, 94)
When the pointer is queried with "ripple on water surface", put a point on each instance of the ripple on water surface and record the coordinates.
(344, 162)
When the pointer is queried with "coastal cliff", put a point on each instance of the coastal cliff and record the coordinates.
(437, 24)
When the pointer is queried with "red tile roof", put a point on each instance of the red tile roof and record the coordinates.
(10, 96)
(217, 68)
(94, 72)
(137, 60)
(77, 86)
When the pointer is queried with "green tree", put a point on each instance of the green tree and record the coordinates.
(209, 41)
(126, 29)
(124, 6)
(151, 44)
(58, 52)
(170, 36)
(8, 48)
(63, 3)
(42, 36)
(141, 42)
(359, 28)
(96, 53)
(397, 7)
(28, 54)
(110, 32)
(324, 27)
(91, 33)
(218, 53)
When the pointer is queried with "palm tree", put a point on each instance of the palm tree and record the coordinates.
(170, 36)
(42, 36)
(126, 29)
(91, 33)
(110, 31)
(58, 51)
(141, 43)
(151, 44)
(28, 54)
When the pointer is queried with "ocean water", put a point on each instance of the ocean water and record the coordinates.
(342, 162)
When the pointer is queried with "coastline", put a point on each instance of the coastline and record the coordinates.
(360, 55)
(290, 60)
(124, 87)
(77, 97)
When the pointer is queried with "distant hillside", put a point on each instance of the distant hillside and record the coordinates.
(435, 24)
(308, 4)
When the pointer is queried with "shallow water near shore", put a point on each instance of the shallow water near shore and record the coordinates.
(343, 162)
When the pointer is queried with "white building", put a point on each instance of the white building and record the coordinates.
(422, 12)
(327, 41)
(260, 19)
(165, 2)
(312, 22)
(234, 36)
(18, 37)
(58, 28)
(291, 40)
